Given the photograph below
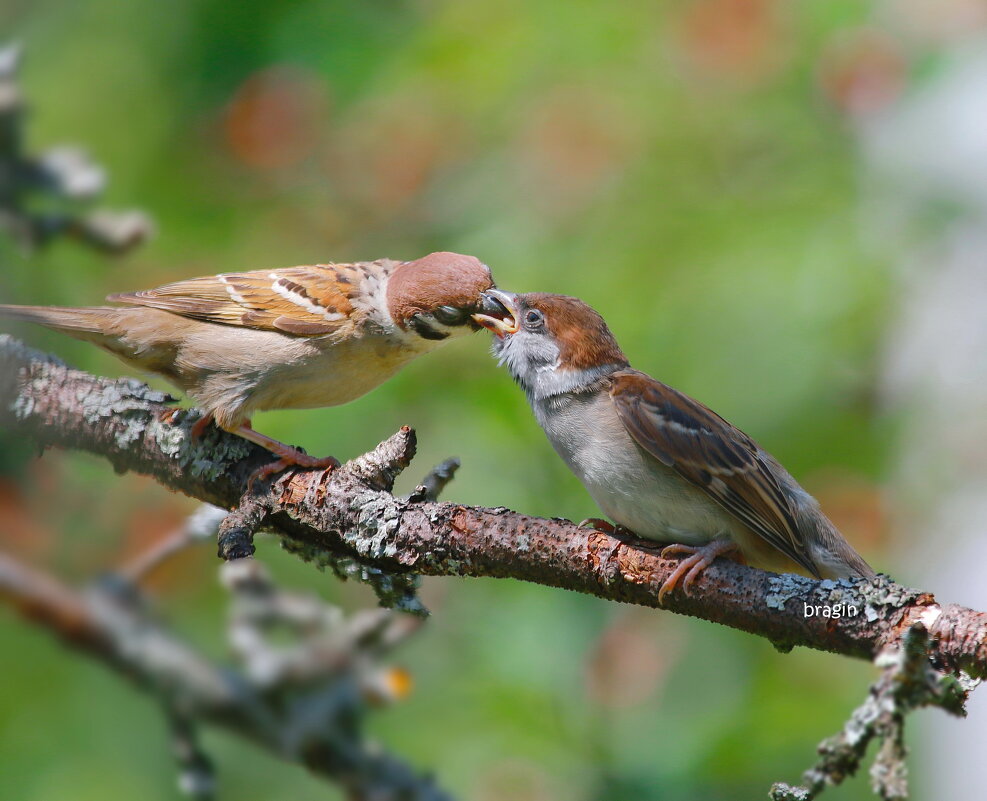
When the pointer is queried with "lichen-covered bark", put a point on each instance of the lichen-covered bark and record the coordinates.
(351, 513)
(908, 682)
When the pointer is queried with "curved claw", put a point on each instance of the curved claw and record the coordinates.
(200, 426)
(289, 457)
(696, 561)
(300, 460)
(169, 416)
(606, 527)
(599, 524)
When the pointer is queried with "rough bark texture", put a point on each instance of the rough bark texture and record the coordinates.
(351, 513)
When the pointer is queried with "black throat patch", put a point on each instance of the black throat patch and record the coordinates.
(424, 330)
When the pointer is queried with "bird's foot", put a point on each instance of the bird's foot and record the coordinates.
(200, 426)
(300, 459)
(599, 524)
(698, 559)
(168, 416)
(287, 456)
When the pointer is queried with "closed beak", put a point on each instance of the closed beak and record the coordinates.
(498, 312)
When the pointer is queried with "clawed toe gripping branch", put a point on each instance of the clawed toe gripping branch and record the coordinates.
(348, 519)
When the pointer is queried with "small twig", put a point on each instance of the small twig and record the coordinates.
(63, 178)
(435, 481)
(200, 526)
(908, 682)
(235, 537)
(197, 776)
(313, 718)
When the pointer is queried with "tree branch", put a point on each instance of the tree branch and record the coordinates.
(908, 682)
(349, 520)
(304, 703)
(36, 191)
(350, 513)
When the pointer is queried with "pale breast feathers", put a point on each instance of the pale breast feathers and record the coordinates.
(304, 301)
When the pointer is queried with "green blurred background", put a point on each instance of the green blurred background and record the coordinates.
(686, 168)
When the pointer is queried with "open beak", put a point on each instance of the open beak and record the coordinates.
(498, 313)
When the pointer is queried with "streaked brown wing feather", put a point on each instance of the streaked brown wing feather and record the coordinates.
(711, 453)
(305, 301)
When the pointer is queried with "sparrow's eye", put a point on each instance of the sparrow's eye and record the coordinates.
(450, 315)
(533, 319)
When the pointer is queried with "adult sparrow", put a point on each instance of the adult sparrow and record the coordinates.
(657, 462)
(290, 338)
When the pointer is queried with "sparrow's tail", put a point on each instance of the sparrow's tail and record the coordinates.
(833, 555)
(88, 323)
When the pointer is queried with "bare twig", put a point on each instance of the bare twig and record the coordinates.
(200, 526)
(304, 702)
(197, 776)
(436, 481)
(908, 682)
(64, 178)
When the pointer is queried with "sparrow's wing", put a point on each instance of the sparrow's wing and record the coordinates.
(304, 301)
(708, 451)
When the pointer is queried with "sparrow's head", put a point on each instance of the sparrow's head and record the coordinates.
(551, 343)
(436, 296)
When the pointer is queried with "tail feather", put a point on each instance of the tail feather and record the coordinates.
(91, 319)
(832, 554)
(143, 338)
(92, 323)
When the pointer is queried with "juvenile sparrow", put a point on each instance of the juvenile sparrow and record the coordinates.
(291, 338)
(657, 462)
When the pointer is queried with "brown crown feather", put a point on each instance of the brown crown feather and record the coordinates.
(438, 279)
(582, 335)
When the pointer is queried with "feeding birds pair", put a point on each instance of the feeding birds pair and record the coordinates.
(658, 463)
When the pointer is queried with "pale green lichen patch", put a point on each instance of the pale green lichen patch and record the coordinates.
(783, 587)
(393, 590)
(377, 521)
(171, 439)
(378, 517)
(839, 592)
(117, 397)
(882, 593)
(785, 792)
(217, 463)
(211, 457)
(871, 597)
(126, 401)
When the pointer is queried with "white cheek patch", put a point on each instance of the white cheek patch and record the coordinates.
(543, 354)
(535, 362)
(530, 359)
